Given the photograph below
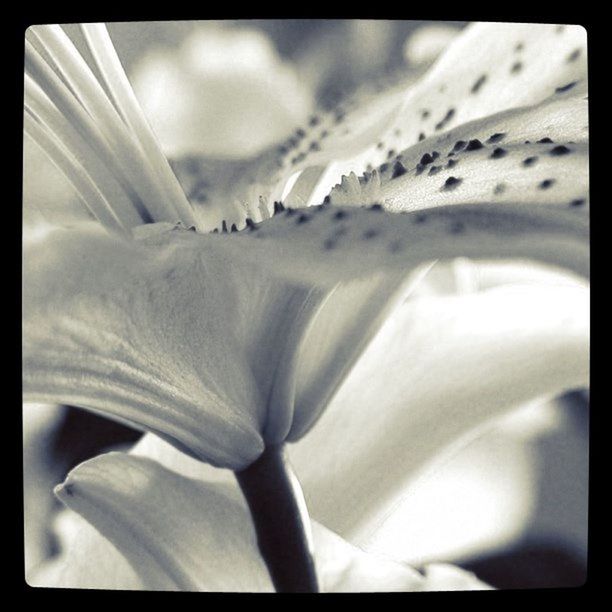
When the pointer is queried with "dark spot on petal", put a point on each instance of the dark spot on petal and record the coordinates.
(457, 227)
(303, 218)
(233, 228)
(216, 230)
(573, 56)
(474, 145)
(314, 146)
(451, 163)
(459, 145)
(421, 137)
(395, 246)
(449, 115)
(420, 218)
(435, 154)
(314, 121)
(546, 184)
(577, 202)
(545, 140)
(329, 244)
(324, 134)
(499, 188)
(326, 200)
(384, 167)
(529, 161)
(390, 153)
(278, 207)
(451, 183)
(426, 159)
(397, 132)
(516, 67)
(478, 84)
(369, 234)
(559, 29)
(377, 207)
(290, 212)
(249, 222)
(339, 214)
(560, 150)
(565, 88)
(300, 133)
(224, 227)
(498, 153)
(398, 170)
(434, 170)
(424, 114)
(380, 145)
(496, 137)
(519, 47)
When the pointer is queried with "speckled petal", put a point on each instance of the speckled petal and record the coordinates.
(488, 69)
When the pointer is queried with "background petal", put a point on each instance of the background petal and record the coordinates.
(440, 368)
(179, 533)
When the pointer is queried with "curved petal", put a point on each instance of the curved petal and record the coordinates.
(190, 344)
(537, 153)
(440, 368)
(489, 68)
(109, 337)
(184, 534)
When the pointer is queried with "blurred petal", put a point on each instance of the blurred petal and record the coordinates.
(179, 533)
(427, 42)
(86, 560)
(48, 197)
(440, 369)
(40, 422)
(232, 95)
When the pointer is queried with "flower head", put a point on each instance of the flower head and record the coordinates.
(237, 336)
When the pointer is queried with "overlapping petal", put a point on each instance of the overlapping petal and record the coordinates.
(179, 533)
(489, 69)
(440, 369)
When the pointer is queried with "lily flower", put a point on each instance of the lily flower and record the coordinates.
(233, 339)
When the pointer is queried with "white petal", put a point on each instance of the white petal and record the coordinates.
(440, 369)
(232, 95)
(102, 331)
(179, 533)
(505, 157)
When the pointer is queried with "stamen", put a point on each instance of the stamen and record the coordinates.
(74, 172)
(69, 106)
(122, 94)
(77, 73)
(52, 119)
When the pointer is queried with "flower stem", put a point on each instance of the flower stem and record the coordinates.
(281, 521)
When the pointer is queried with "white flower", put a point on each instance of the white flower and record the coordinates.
(230, 345)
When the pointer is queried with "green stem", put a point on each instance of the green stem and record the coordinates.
(281, 522)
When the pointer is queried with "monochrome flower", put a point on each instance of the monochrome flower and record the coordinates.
(231, 324)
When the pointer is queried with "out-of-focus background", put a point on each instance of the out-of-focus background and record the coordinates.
(513, 505)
